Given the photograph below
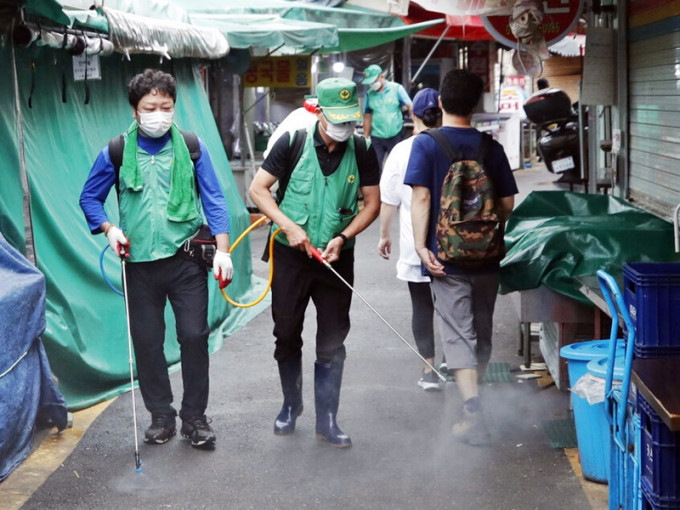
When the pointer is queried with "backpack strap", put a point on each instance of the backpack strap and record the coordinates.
(117, 145)
(484, 147)
(360, 148)
(191, 139)
(445, 145)
(443, 142)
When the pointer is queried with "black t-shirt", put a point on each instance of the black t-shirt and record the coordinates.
(367, 162)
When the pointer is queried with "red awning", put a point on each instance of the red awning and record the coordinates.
(467, 28)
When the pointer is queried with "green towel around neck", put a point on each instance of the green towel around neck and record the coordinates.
(182, 199)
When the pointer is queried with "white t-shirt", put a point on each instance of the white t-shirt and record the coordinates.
(393, 191)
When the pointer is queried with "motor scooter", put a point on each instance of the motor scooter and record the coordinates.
(557, 125)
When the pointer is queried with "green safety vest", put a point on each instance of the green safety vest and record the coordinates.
(143, 214)
(322, 205)
(387, 119)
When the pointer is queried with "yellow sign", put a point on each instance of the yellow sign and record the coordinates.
(279, 72)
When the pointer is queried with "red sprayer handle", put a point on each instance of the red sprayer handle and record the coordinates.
(223, 282)
(317, 255)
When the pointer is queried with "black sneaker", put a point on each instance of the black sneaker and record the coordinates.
(197, 429)
(162, 428)
(429, 381)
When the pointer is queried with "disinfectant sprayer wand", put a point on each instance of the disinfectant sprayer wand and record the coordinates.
(317, 255)
(138, 461)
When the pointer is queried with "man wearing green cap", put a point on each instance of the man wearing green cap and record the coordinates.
(383, 119)
(317, 207)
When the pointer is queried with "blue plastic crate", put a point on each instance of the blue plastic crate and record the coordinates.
(659, 458)
(648, 502)
(652, 296)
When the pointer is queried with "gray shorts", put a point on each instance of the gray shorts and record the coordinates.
(464, 305)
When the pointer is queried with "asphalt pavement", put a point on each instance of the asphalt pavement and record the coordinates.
(403, 455)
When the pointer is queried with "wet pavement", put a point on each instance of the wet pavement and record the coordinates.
(403, 455)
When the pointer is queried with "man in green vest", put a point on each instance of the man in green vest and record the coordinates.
(383, 117)
(158, 184)
(319, 209)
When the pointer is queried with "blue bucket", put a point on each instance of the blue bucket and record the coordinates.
(598, 436)
(589, 419)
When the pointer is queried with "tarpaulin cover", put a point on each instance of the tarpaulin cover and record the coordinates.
(303, 26)
(64, 130)
(26, 384)
(131, 33)
(554, 236)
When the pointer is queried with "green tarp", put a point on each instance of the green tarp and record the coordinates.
(86, 336)
(301, 27)
(554, 236)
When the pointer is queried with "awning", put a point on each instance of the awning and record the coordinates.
(466, 28)
(358, 38)
(130, 33)
(153, 27)
(310, 26)
(206, 28)
(268, 31)
(484, 8)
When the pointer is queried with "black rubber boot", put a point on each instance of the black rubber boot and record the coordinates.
(327, 382)
(290, 373)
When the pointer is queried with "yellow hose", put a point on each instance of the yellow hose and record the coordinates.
(271, 264)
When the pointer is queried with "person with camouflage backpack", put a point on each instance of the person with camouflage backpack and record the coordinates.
(463, 192)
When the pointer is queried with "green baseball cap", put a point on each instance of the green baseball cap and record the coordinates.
(371, 74)
(338, 100)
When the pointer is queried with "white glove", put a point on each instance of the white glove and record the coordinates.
(223, 269)
(117, 239)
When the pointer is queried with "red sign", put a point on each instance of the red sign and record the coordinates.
(559, 18)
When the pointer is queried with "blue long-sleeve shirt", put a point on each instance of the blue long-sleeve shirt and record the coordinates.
(103, 176)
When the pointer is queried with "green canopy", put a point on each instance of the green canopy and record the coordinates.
(174, 26)
(268, 31)
(359, 38)
(302, 27)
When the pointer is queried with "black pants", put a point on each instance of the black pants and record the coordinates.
(383, 146)
(422, 317)
(185, 284)
(298, 278)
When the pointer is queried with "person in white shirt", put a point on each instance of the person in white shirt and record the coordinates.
(395, 195)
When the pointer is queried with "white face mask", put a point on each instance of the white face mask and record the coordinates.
(156, 124)
(376, 85)
(339, 132)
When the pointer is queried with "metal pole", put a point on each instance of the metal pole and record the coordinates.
(317, 256)
(430, 54)
(138, 461)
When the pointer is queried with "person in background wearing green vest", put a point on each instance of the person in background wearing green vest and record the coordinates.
(319, 209)
(161, 193)
(383, 118)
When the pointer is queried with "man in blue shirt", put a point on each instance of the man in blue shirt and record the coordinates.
(161, 193)
(383, 118)
(464, 297)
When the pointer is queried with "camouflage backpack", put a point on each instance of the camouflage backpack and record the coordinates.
(469, 230)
